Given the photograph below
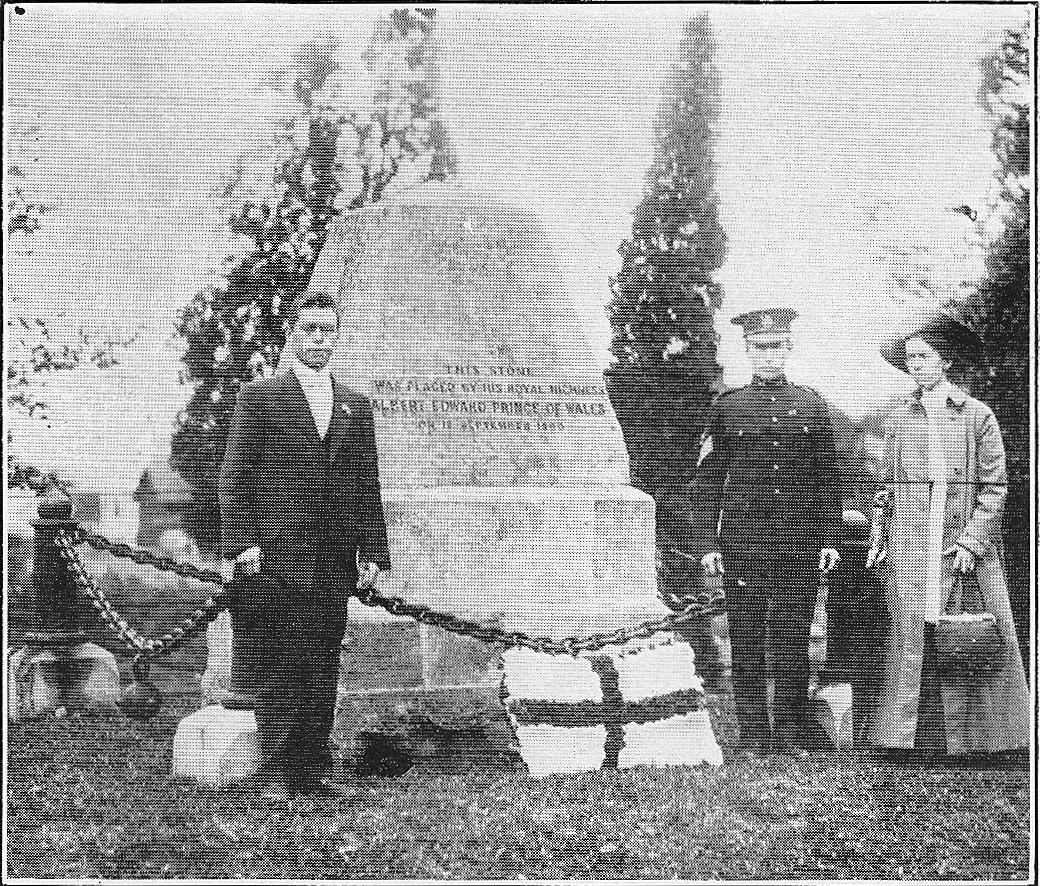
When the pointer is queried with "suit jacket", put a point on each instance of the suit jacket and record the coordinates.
(287, 491)
(767, 478)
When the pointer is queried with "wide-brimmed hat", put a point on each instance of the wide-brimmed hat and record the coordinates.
(954, 340)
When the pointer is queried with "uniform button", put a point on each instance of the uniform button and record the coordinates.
(775, 419)
(777, 491)
(772, 399)
(776, 442)
(776, 467)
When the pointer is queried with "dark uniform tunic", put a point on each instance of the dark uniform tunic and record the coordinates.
(766, 497)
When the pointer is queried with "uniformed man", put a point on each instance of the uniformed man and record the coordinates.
(766, 512)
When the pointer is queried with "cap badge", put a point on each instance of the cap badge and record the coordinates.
(767, 321)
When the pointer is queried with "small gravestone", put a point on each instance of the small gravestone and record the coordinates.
(503, 470)
(50, 679)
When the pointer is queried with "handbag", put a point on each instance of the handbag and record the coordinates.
(968, 645)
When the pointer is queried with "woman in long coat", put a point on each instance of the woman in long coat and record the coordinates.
(946, 483)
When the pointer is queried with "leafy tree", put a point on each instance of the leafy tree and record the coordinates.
(974, 263)
(661, 313)
(1000, 309)
(322, 158)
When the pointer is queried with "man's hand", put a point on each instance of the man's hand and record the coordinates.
(249, 561)
(712, 563)
(963, 559)
(876, 556)
(368, 575)
(828, 559)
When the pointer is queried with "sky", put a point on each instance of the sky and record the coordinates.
(829, 112)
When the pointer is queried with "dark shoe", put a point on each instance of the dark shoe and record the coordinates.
(787, 742)
(325, 786)
(787, 748)
(273, 787)
(753, 747)
(892, 756)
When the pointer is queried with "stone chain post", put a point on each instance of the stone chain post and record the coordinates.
(54, 591)
(58, 667)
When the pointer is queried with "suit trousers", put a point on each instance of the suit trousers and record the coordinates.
(295, 645)
(775, 589)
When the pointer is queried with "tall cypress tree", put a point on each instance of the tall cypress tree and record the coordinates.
(664, 341)
(322, 159)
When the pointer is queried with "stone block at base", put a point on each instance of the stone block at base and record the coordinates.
(831, 707)
(42, 679)
(216, 746)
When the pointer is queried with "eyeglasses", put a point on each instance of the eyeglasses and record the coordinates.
(328, 330)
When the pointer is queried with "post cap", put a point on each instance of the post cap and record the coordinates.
(54, 506)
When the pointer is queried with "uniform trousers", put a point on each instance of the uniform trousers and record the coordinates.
(293, 642)
(777, 589)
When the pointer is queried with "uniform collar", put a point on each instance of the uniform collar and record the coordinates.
(779, 382)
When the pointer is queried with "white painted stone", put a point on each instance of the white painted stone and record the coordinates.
(43, 680)
(566, 678)
(646, 669)
(832, 707)
(656, 666)
(216, 746)
(549, 750)
(682, 740)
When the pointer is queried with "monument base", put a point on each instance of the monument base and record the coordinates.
(387, 731)
(46, 679)
(831, 707)
(216, 746)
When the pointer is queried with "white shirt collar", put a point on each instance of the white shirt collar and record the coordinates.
(308, 376)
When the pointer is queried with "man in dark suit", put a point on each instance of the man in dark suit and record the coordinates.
(299, 500)
(766, 512)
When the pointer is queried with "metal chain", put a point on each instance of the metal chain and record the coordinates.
(707, 602)
(147, 558)
(704, 604)
(133, 639)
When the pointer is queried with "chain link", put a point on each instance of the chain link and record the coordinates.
(115, 622)
(147, 558)
(707, 602)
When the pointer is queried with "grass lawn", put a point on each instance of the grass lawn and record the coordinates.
(89, 796)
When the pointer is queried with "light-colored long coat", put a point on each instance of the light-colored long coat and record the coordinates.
(992, 716)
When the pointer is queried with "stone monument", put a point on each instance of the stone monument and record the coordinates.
(505, 484)
(503, 468)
